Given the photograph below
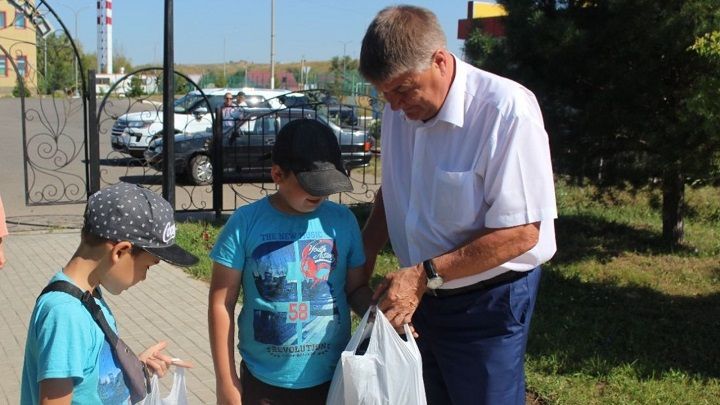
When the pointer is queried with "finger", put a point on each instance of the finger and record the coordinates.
(413, 331)
(155, 367)
(163, 358)
(181, 363)
(380, 290)
(157, 347)
(395, 318)
(408, 318)
(385, 305)
(161, 364)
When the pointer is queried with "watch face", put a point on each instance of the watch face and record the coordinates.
(435, 282)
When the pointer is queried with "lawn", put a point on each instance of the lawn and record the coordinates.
(620, 319)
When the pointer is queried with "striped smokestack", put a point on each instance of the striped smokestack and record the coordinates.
(104, 42)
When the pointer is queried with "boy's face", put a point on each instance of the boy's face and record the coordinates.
(126, 269)
(291, 197)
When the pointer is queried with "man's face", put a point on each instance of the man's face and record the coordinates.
(240, 99)
(420, 95)
(228, 100)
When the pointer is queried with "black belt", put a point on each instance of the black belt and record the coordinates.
(504, 278)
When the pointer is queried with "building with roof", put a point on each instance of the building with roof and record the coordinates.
(487, 17)
(18, 41)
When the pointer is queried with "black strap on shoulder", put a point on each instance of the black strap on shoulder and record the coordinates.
(88, 302)
(63, 286)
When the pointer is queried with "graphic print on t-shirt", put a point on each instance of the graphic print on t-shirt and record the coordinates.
(111, 385)
(292, 277)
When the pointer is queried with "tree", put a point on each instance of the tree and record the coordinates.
(59, 74)
(136, 87)
(121, 61)
(181, 85)
(629, 89)
(340, 68)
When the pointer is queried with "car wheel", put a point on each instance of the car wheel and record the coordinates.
(200, 172)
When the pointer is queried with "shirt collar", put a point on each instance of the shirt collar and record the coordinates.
(452, 110)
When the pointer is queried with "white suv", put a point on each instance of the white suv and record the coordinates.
(132, 132)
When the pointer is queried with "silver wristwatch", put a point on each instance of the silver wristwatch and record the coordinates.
(434, 280)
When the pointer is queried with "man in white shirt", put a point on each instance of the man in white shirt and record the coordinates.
(229, 112)
(468, 202)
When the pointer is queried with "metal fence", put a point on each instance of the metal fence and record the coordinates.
(221, 161)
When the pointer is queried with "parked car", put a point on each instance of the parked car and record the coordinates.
(343, 114)
(248, 149)
(132, 132)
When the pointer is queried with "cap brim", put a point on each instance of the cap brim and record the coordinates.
(324, 182)
(173, 254)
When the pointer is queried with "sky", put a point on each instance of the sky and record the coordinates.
(213, 31)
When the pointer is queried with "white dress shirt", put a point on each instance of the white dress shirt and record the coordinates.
(482, 162)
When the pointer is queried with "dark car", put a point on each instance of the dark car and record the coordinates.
(247, 149)
(343, 115)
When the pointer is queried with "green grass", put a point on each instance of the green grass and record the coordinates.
(620, 319)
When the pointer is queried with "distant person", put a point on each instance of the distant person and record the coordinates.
(240, 99)
(240, 106)
(229, 112)
(298, 259)
(3, 234)
(68, 359)
(468, 203)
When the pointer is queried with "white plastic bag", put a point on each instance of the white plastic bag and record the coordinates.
(178, 393)
(389, 372)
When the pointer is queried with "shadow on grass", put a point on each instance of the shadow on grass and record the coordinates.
(581, 237)
(595, 327)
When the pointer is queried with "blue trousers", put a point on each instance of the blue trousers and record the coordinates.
(473, 345)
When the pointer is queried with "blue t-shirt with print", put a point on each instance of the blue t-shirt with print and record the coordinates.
(295, 319)
(65, 342)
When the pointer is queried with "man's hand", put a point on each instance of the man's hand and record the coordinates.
(402, 290)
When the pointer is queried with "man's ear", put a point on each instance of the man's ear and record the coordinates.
(119, 249)
(440, 59)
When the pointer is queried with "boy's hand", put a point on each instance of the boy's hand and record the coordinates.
(229, 394)
(158, 362)
(2, 254)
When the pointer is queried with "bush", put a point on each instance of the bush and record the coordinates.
(16, 90)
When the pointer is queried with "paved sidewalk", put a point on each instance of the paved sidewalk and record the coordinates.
(168, 305)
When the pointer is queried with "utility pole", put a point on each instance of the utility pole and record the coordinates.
(302, 73)
(76, 39)
(272, 44)
(342, 82)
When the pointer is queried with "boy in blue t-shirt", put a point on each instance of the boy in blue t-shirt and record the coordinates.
(298, 258)
(68, 359)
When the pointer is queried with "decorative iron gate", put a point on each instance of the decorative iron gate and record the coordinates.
(53, 106)
(215, 170)
(130, 119)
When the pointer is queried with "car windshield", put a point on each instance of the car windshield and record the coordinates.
(187, 103)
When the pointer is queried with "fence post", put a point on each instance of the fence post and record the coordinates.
(168, 163)
(93, 137)
(216, 158)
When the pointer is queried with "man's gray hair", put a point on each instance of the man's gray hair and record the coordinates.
(400, 39)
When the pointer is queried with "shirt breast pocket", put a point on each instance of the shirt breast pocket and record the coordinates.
(454, 197)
